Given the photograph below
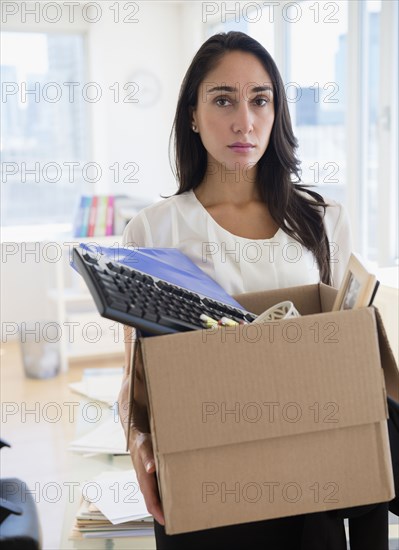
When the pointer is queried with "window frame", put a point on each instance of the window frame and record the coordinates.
(388, 142)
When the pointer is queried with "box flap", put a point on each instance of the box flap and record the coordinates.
(274, 478)
(388, 362)
(236, 384)
(327, 297)
(306, 299)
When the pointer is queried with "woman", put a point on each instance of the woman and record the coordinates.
(238, 215)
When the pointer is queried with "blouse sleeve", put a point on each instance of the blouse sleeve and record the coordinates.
(138, 232)
(340, 238)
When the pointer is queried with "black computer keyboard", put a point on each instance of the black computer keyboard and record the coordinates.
(147, 303)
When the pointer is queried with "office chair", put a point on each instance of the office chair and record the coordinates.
(19, 522)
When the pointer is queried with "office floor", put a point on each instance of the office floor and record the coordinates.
(38, 454)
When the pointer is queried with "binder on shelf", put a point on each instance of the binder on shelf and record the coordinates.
(81, 216)
(109, 225)
(105, 215)
(92, 216)
(86, 214)
(99, 228)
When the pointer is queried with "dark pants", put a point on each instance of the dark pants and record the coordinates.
(277, 534)
(368, 530)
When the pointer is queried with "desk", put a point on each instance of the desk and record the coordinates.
(80, 469)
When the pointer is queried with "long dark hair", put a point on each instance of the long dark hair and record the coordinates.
(278, 179)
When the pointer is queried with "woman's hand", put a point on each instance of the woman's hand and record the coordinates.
(140, 448)
(144, 464)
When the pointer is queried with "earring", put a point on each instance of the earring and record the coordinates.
(194, 127)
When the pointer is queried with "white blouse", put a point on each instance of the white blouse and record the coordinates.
(238, 264)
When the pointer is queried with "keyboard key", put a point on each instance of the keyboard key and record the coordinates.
(113, 291)
(196, 299)
(109, 285)
(115, 268)
(176, 324)
(150, 316)
(163, 285)
(147, 280)
(249, 317)
(119, 305)
(178, 292)
(89, 258)
(135, 311)
(96, 269)
(107, 279)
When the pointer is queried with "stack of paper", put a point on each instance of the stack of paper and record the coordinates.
(119, 509)
(91, 523)
(108, 438)
(100, 384)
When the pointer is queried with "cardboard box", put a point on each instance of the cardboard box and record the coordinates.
(259, 422)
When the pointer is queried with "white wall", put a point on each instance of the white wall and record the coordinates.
(162, 42)
(128, 132)
(25, 279)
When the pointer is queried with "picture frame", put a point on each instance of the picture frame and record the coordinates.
(358, 286)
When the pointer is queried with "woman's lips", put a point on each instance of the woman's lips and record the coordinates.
(241, 148)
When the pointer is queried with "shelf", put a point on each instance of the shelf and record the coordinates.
(70, 295)
(75, 355)
(41, 232)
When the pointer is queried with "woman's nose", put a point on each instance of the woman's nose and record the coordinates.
(243, 118)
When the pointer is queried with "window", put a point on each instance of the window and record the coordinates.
(339, 62)
(316, 88)
(371, 27)
(43, 127)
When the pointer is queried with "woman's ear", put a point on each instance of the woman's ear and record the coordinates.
(193, 116)
(194, 124)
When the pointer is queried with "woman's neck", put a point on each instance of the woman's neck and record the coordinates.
(220, 186)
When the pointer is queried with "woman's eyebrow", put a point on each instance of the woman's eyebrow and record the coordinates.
(255, 89)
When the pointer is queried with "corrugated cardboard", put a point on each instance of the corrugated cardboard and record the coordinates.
(258, 422)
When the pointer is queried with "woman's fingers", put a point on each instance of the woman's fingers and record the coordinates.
(149, 488)
(144, 463)
(144, 446)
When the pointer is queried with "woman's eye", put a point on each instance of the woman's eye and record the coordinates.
(261, 101)
(222, 101)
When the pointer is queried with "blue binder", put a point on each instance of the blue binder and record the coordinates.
(169, 264)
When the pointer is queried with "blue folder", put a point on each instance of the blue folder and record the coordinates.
(169, 264)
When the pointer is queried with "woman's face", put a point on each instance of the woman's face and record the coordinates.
(234, 114)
